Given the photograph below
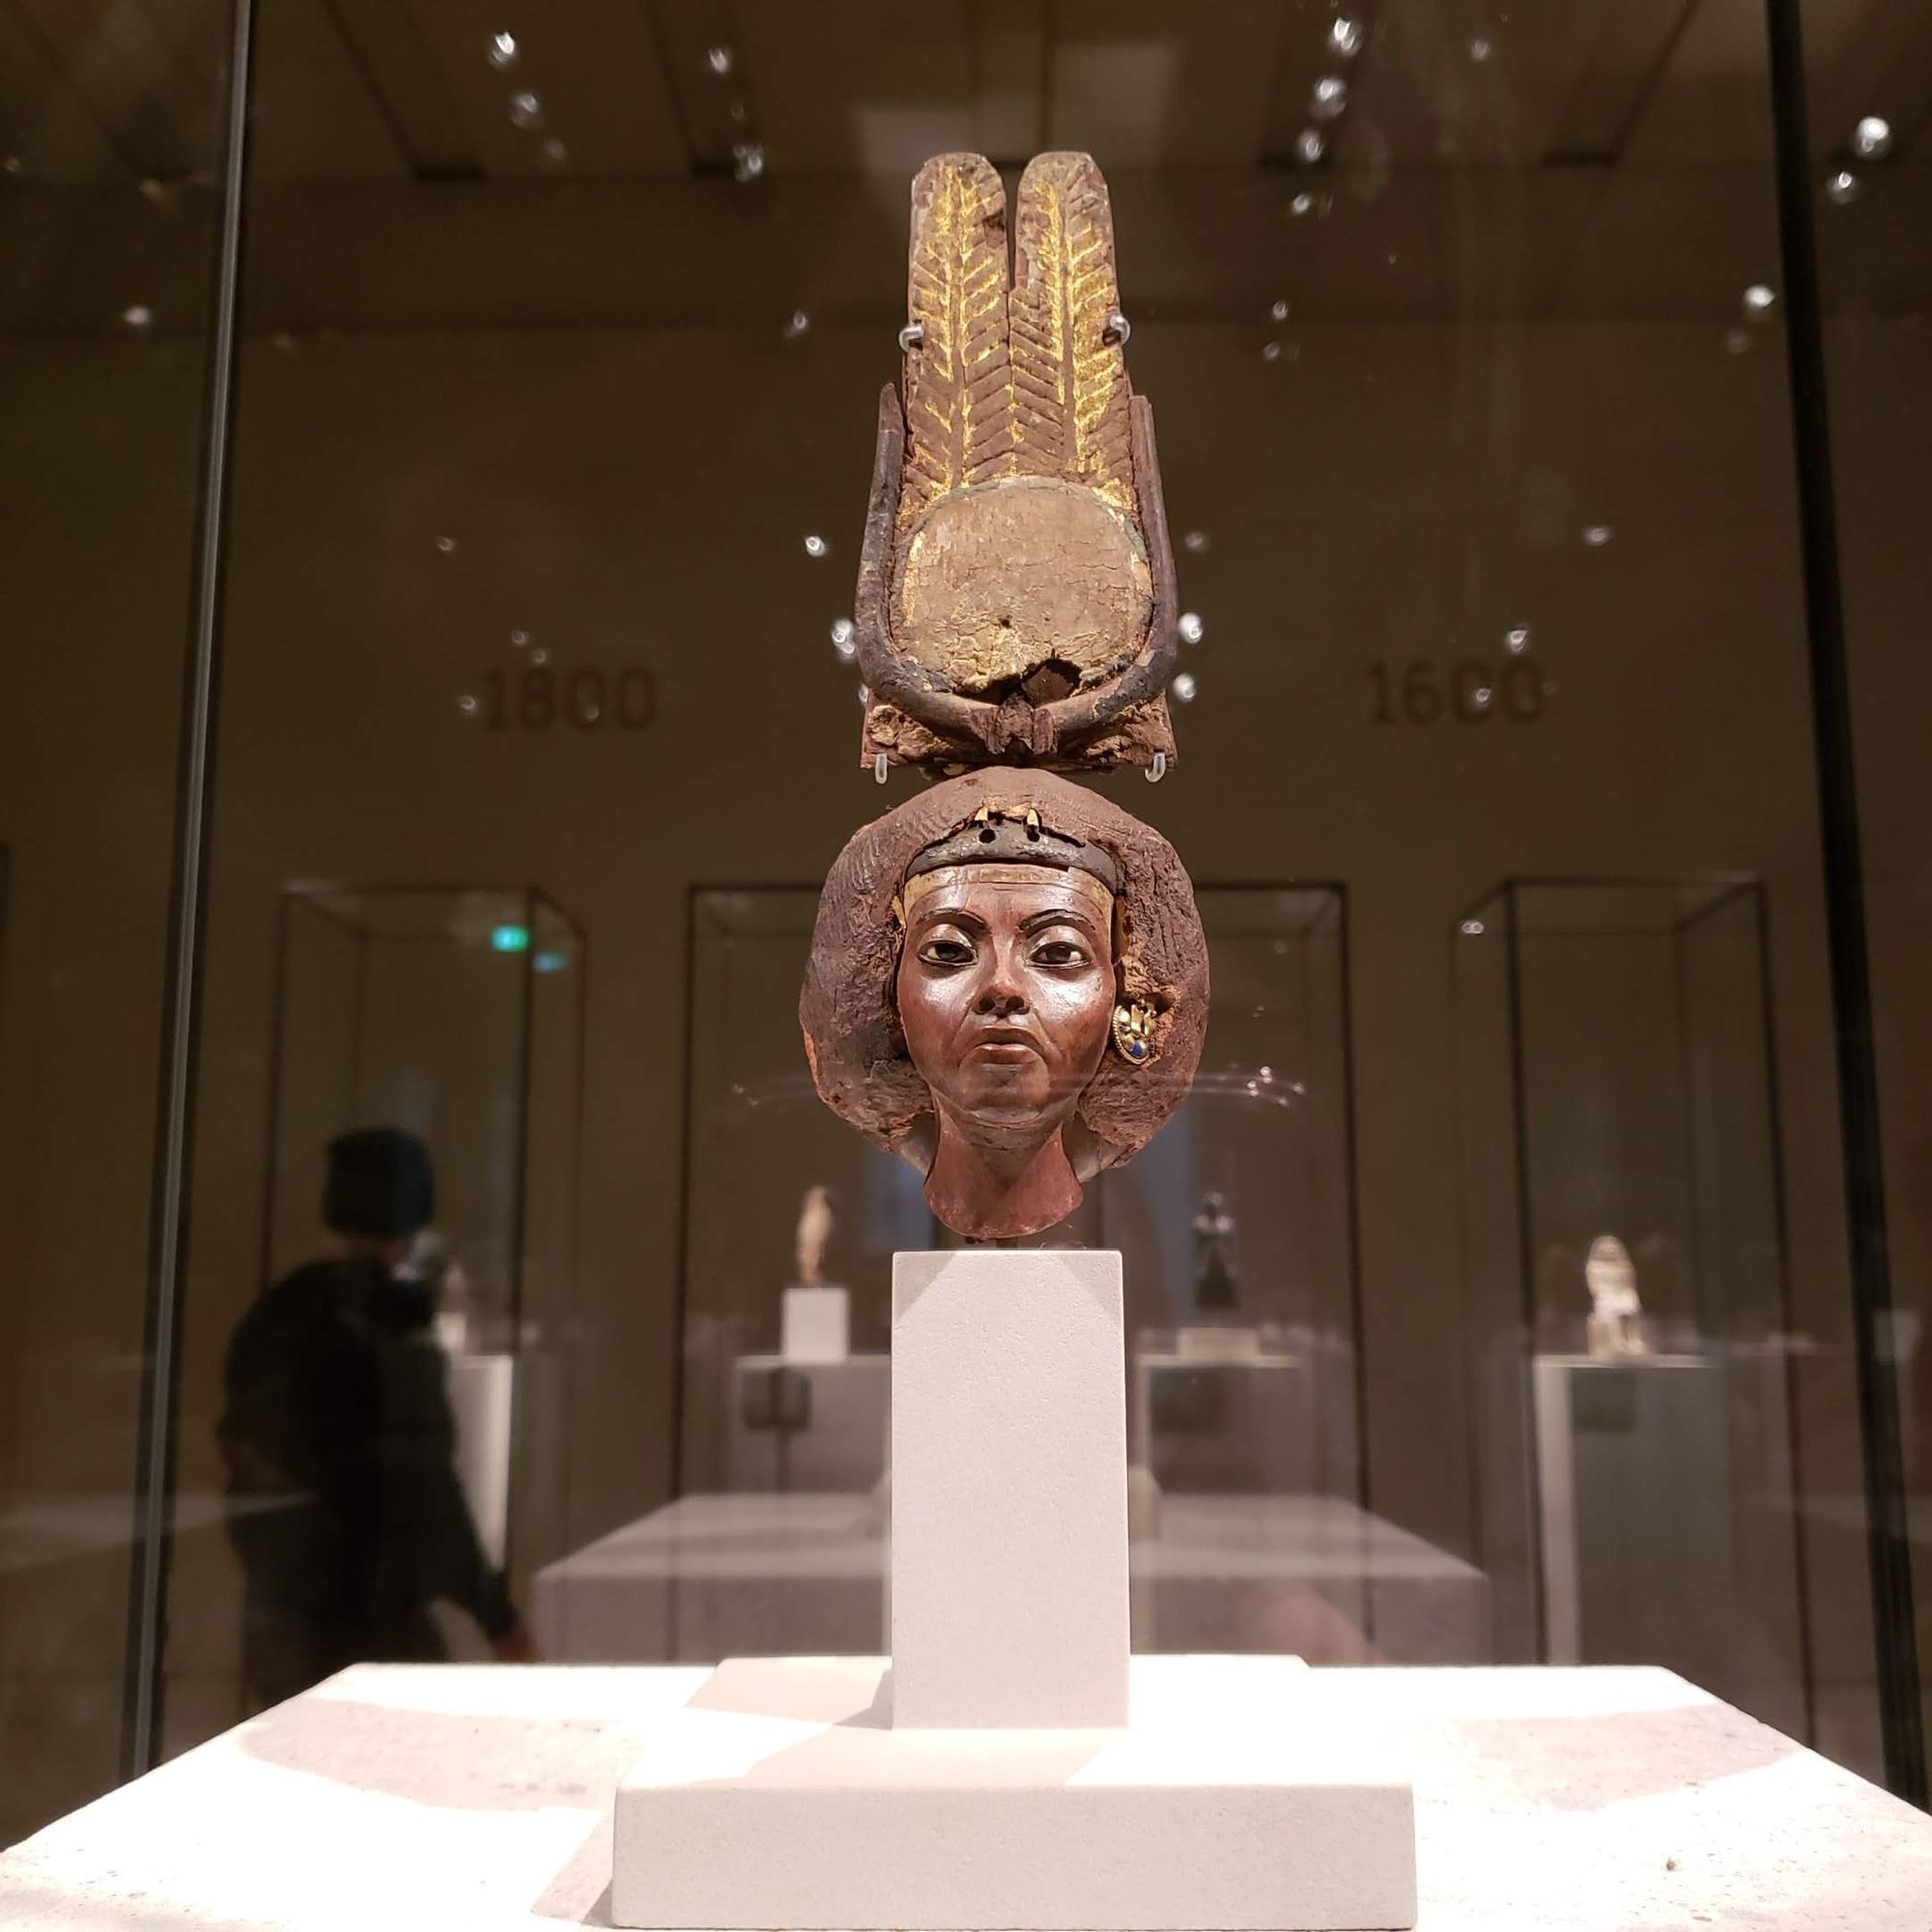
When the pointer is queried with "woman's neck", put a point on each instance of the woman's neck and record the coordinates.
(987, 1192)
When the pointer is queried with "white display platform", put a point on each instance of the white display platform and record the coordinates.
(1238, 1423)
(1009, 1490)
(997, 1772)
(784, 1796)
(1634, 1488)
(449, 1797)
(764, 1575)
(482, 1399)
(815, 1324)
(837, 1443)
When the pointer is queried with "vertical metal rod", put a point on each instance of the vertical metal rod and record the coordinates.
(1889, 1554)
(168, 1225)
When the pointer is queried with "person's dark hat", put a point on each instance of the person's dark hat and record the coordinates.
(381, 1184)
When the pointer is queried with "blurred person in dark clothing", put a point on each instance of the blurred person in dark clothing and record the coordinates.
(339, 1445)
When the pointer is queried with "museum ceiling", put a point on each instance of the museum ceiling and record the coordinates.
(1622, 148)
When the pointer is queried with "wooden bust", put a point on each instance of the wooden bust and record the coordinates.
(1009, 989)
(1008, 981)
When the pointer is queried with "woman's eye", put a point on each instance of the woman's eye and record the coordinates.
(946, 952)
(1060, 953)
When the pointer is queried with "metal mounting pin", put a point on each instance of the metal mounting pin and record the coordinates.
(1118, 328)
(1158, 771)
(878, 768)
(912, 336)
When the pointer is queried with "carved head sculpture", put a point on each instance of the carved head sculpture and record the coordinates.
(1009, 989)
(1009, 981)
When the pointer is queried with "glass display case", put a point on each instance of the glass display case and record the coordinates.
(456, 1014)
(1236, 1230)
(1494, 1298)
(1635, 1365)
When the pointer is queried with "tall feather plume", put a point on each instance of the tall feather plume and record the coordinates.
(958, 387)
(1070, 377)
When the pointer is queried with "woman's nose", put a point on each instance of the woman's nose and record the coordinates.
(1000, 999)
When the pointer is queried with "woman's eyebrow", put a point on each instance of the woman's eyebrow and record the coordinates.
(1058, 915)
(930, 914)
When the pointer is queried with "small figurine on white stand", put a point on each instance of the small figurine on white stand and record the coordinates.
(815, 1321)
(1615, 1311)
(1217, 1333)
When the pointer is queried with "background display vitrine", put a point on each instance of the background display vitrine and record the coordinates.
(457, 1013)
(1615, 1077)
(1261, 1538)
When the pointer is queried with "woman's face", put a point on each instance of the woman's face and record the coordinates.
(1006, 990)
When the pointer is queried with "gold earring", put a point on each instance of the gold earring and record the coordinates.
(1133, 1032)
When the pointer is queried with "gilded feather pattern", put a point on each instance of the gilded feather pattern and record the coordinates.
(1069, 377)
(958, 387)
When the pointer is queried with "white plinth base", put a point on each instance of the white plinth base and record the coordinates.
(815, 1324)
(779, 1799)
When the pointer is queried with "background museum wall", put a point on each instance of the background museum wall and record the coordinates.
(1391, 489)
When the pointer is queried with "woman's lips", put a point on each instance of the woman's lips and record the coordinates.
(1005, 1046)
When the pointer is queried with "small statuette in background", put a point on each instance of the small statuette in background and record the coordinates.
(815, 1232)
(1218, 1289)
(815, 1316)
(1616, 1314)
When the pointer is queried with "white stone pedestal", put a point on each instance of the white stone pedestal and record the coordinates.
(815, 1324)
(1633, 1480)
(1009, 1490)
(1009, 1768)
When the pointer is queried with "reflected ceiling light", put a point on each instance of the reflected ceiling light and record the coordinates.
(1759, 297)
(1185, 687)
(1871, 138)
(1270, 352)
(816, 546)
(843, 641)
(446, 545)
(519, 639)
(1196, 541)
(540, 655)
(1597, 536)
(1737, 341)
(796, 324)
(1515, 639)
(1472, 928)
(554, 153)
(137, 315)
(720, 60)
(1192, 629)
(747, 161)
(1309, 146)
(12, 165)
(525, 109)
(1479, 48)
(502, 50)
(466, 705)
(1279, 309)
(1330, 96)
(509, 938)
(1302, 204)
(1842, 186)
(1345, 36)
